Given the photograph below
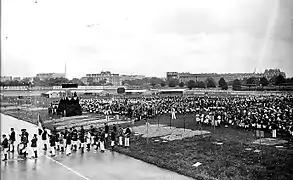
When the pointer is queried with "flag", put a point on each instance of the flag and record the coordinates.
(40, 125)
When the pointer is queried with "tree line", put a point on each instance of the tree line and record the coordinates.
(38, 82)
(158, 83)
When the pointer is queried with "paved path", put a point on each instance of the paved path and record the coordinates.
(87, 166)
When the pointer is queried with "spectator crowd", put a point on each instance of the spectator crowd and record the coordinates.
(259, 113)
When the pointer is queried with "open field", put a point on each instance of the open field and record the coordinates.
(229, 160)
(233, 157)
(225, 153)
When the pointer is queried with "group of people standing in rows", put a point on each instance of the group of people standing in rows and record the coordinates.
(71, 139)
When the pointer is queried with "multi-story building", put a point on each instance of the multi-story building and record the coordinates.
(106, 76)
(185, 77)
(44, 76)
(6, 78)
(16, 79)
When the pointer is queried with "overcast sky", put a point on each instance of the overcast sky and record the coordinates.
(147, 37)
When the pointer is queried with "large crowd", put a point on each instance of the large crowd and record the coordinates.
(260, 113)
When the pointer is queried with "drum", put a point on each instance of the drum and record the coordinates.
(20, 148)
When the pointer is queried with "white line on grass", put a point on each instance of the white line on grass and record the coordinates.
(68, 168)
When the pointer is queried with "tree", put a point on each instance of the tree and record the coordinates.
(173, 82)
(181, 84)
(120, 90)
(252, 80)
(163, 84)
(210, 82)
(280, 80)
(289, 81)
(236, 84)
(223, 84)
(263, 81)
(154, 81)
(191, 84)
(201, 84)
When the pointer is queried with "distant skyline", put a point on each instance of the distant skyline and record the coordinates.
(145, 37)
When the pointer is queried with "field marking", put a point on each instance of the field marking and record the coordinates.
(66, 167)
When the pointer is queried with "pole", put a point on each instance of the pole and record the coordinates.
(214, 123)
(158, 118)
(147, 123)
(170, 120)
(184, 121)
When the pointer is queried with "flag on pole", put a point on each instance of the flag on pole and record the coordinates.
(40, 125)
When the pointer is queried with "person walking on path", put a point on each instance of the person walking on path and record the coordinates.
(44, 140)
(120, 136)
(102, 142)
(113, 139)
(5, 146)
(34, 145)
(68, 144)
(127, 136)
(12, 140)
(52, 144)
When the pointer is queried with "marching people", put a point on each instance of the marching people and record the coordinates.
(23, 142)
(61, 141)
(52, 142)
(56, 137)
(97, 140)
(113, 138)
(34, 145)
(82, 139)
(106, 132)
(92, 132)
(102, 141)
(44, 139)
(89, 139)
(68, 144)
(74, 136)
(127, 136)
(120, 136)
(12, 140)
(5, 145)
(66, 132)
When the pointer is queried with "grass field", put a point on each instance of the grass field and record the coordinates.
(227, 161)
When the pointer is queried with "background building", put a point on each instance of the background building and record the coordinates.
(105, 77)
(6, 78)
(16, 79)
(186, 76)
(44, 76)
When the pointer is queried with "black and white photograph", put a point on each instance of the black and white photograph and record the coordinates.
(146, 89)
